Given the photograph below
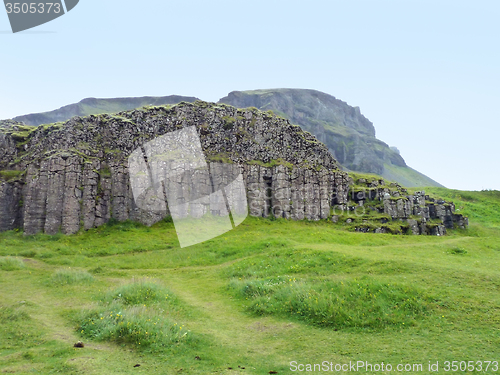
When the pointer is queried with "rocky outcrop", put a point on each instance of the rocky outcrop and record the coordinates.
(75, 175)
(296, 193)
(11, 202)
(10, 132)
(415, 213)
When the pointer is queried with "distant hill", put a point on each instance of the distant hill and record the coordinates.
(348, 134)
(93, 106)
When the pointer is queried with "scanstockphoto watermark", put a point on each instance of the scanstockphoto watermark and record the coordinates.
(365, 366)
(24, 15)
(359, 366)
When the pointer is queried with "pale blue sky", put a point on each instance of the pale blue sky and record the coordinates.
(426, 73)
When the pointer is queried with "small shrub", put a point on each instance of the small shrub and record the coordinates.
(71, 277)
(11, 264)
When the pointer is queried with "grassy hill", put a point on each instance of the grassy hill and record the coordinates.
(408, 176)
(253, 300)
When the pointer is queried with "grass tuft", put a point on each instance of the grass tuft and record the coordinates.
(458, 251)
(11, 264)
(138, 325)
(139, 313)
(140, 293)
(28, 253)
(71, 277)
(365, 303)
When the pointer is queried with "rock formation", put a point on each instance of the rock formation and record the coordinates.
(415, 213)
(74, 175)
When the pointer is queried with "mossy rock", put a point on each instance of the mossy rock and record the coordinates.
(228, 122)
(271, 163)
(11, 175)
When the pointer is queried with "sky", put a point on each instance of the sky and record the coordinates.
(426, 73)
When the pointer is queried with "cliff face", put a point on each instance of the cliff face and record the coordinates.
(8, 151)
(349, 135)
(75, 175)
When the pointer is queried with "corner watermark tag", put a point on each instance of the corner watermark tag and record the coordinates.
(24, 15)
(204, 200)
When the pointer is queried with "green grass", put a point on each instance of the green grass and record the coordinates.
(365, 303)
(140, 326)
(141, 292)
(271, 163)
(11, 264)
(139, 313)
(10, 175)
(407, 176)
(70, 277)
(480, 206)
(265, 294)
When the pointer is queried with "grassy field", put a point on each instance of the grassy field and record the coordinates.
(254, 300)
